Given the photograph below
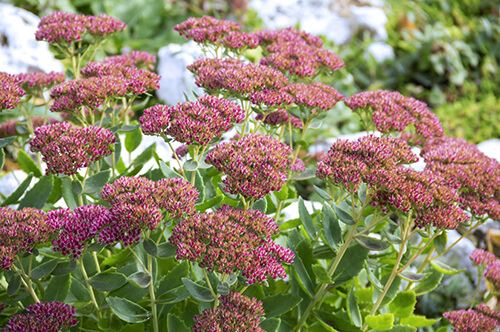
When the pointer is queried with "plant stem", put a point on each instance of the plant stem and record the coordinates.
(87, 283)
(152, 296)
(96, 261)
(214, 294)
(26, 281)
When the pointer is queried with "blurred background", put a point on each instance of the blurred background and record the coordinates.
(445, 53)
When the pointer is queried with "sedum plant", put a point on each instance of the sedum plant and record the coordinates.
(198, 239)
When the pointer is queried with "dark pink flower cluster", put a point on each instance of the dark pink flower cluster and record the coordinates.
(10, 91)
(391, 111)
(482, 257)
(9, 127)
(315, 96)
(279, 117)
(43, 317)
(491, 264)
(272, 97)
(492, 273)
(210, 30)
(139, 59)
(235, 76)
(297, 52)
(230, 240)
(66, 148)
(479, 319)
(254, 165)
(20, 231)
(62, 27)
(192, 122)
(182, 151)
(39, 81)
(463, 165)
(235, 313)
(77, 227)
(136, 204)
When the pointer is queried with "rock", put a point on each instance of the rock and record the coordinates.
(491, 148)
(176, 80)
(381, 51)
(19, 51)
(10, 181)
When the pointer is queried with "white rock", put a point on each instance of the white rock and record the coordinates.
(491, 148)
(19, 51)
(176, 80)
(10, 181)
(381, 51)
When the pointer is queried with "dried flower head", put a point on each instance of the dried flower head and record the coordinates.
(482, 257)
(230, 240)
(66, 148)
(475, 175)
(315, 96)
(10, 91)
(391, 111)
(471, 320)
(254, 165)
(235, 76)
(35, 83)
(60, 27)
(235, 313)
(280, 117)
(43, 317)
(193, 122)
(77, 227)
(20, 231)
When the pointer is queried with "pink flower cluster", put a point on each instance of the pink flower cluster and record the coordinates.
(465, 167)
(480, 319)
(77, 227)
(482, 257)
(297, 53)
(230, 240)
(139, 59)
(490, 262)
(66, 148)
(193, 122)
(315, 95)
(210, 30)
(136, 204)
(10, 91)
(492, 273)
(254, 165)
(60, 27)
(391, 111)
(43, 317)
(236, 312)
(280, 117)
(37, 82)
(20, 231)
(235, 76)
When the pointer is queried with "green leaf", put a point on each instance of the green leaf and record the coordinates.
(37, 196)
(190, 165)
(44, 269)
(175, 324)
(353, 309)
(58, 288)
(260, 205)
(64, 268)
(198, 292)
(116, 259)
(412, 276)
(140, 279)
(174, 295)
(305, 175)
(95, 183)
(306, 219)
(344, 216)
(418, 321)
(323, 194)
(68, 192)
(200, 186)
(440, 242)
(382, 322)
(108, 281)
(444, 268)
(303, 277)
(2, 158)
(150, 247)
(351, 263)
(403, 304)
(127, 310)
(165, 249)
(133, 139)
(331, 227)
(168, 172)
(271, 324)
(27, 164)
(279, 304)
(429, 283)
(403, 328)
(371, 243)
(6, 141)
(14, 197)
(209, 204)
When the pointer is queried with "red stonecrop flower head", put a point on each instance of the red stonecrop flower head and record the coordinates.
(254, 165)
(10, 91)
(236, 312)
(475, 175)
(492, 273)
(479, 319)
(193, 122)
(60, 27)
(393, 112)
(482, 257)
(77, 227)
(20, 231)
(43, 317)
(235, 76)
(280, 117)
(139, 59)
(66, 148)
(206, 29)
(37, 82)
(315, 96)
(230, 240)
